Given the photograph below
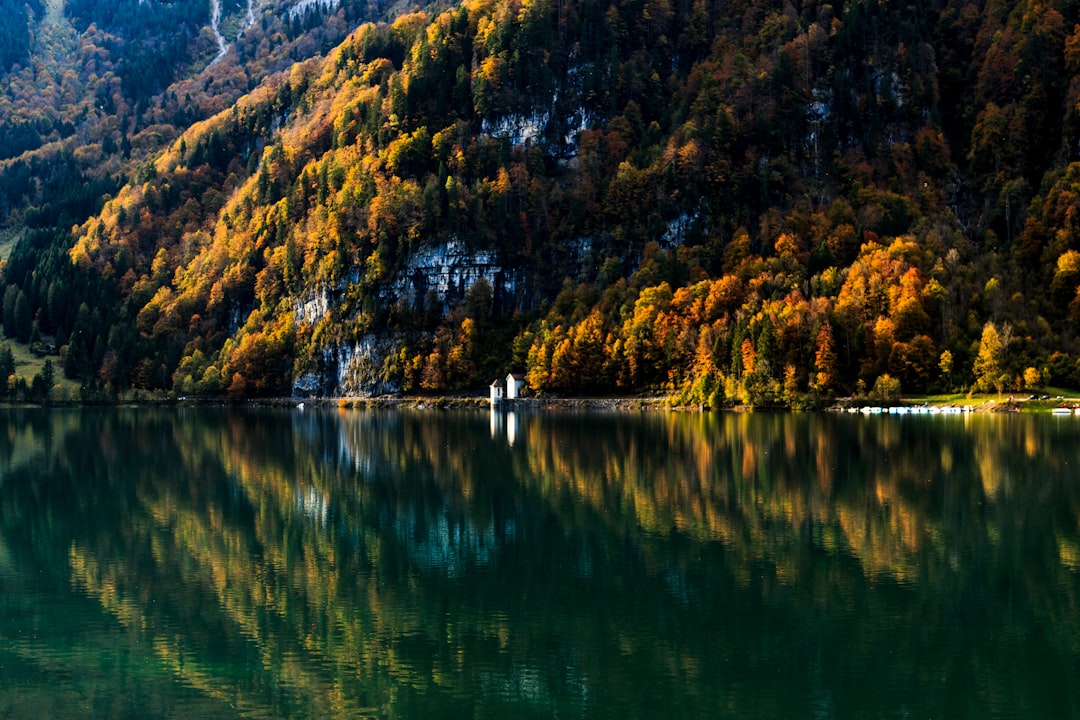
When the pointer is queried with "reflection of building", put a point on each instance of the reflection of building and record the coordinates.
(508, 389)
(504, 422)
(511, 427)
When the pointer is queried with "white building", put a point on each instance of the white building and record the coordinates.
(498, 391)
(508, 389)
(515, 383)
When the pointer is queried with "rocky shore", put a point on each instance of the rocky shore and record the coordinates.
(482, 403)
(620, 404)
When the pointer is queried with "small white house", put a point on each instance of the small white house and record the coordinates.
(515, 383)
(508, 389)
(498, 391)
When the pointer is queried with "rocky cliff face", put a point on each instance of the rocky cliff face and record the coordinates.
(433, 279)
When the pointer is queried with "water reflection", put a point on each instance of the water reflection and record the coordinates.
(504, 425)
(357, 564)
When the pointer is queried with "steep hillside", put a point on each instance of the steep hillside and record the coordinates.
(734, 201)
(91, 87)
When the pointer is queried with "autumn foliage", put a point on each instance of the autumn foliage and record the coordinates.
(765, 206)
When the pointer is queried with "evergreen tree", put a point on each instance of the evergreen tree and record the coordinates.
(7, 369)
(24, 321)
(11, 293)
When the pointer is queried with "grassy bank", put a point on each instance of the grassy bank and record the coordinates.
(1034, 401)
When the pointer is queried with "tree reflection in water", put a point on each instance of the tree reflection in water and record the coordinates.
(408, 564)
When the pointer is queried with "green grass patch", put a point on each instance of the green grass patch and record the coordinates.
(1053, 392)
(28, 364)
(1054, 397)
(945, 399)
(8, 239)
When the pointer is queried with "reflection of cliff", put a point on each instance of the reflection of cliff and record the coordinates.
(264, 538)
(397, 563)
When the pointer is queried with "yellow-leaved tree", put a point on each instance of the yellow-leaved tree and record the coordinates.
(989, 365)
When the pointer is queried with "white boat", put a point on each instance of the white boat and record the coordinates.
(1062, 411)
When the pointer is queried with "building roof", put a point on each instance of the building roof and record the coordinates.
(498, 382)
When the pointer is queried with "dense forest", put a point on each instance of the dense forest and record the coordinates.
(733, 202)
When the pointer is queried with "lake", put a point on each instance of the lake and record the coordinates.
(212, 563)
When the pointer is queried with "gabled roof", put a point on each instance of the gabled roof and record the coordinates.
(498, 382)
(520, 377)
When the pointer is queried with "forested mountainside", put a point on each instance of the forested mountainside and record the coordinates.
(91, 85)
(753, 202)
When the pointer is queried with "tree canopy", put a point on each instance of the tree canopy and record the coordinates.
(757, 204)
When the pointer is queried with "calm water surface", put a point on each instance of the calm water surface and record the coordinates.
(286, 564)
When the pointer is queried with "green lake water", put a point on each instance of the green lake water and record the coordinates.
(201, 563)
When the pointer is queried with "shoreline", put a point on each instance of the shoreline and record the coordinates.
(420, 402)
(639, 403)
(646, 403)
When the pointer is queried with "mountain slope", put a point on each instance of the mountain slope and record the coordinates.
(733, 200)
(92, 87)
